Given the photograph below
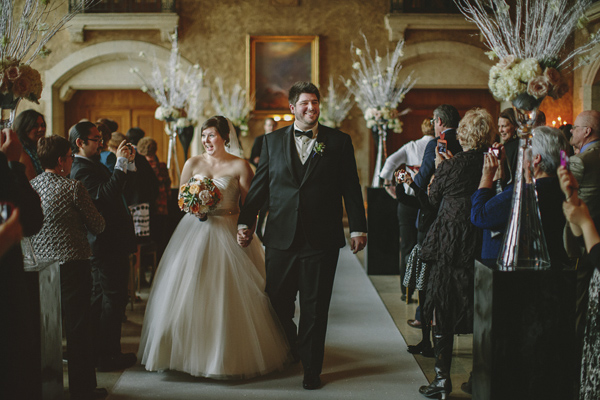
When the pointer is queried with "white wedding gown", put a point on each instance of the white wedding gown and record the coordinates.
(207, 313)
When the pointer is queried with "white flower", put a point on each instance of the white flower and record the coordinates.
(142, 54)
(356, 65)
(358, 51)
(182, 123)
(159, 114)
(144, 88)
(378, 59)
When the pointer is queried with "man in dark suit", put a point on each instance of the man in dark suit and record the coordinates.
(305, 171)
(111, 248)
(445, 121)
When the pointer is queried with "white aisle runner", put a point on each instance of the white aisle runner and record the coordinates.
(365, 358)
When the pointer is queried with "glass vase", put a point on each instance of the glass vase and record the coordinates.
(381, 154)
(524, 245)
(8, 109)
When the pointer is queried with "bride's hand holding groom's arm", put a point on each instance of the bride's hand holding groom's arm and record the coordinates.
(245, 234)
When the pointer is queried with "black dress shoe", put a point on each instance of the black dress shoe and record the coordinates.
(117, 362)
(311, 382)
(94, 394)
(424, 349)
(415, 323)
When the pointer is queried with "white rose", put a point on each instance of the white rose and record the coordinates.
(204, 196)
(159, 114)
(182, 123)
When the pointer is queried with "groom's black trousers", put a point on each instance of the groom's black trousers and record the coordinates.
(309, 272)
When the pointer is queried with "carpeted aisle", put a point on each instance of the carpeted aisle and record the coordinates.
(365, 358)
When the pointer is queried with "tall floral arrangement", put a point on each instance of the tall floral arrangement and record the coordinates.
(23, 38)
(335, 106)
(234, 105)
(376, 85)
(173, 89)
(528, 39)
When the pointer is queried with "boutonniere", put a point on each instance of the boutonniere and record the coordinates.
(319, 149)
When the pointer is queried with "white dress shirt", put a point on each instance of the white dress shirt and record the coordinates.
(410, 154)
(304, 145)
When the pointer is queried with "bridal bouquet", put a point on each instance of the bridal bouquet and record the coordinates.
(198, 197)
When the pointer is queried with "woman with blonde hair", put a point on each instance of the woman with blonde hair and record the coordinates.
(452, 243)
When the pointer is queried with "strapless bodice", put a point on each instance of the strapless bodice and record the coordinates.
(229, 187)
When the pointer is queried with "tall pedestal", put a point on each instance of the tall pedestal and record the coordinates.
(524, 334)
(383, 248)
(43, 283)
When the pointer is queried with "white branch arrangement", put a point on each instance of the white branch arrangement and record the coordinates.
(22, 39)
(335, 107)
(19, 34)
(376, 86)
(234, 105)
(528, 39)
(176, 93)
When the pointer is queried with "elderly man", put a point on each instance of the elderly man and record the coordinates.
(585, 167)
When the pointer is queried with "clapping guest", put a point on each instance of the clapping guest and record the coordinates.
(70, 213)
(31, 127)
(452, 243)
(107, 157)
(507, 128)
(491, 212)
(582, 224)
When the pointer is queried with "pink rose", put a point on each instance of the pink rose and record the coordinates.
(13, 73)
(552, 75)
(205, 197)
(538, 87)
(507, 62)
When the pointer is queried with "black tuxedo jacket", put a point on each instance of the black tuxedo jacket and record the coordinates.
(106, 190)
(315, 201)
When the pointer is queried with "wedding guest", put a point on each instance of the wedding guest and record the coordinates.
(107, 157)
(507, 128)
(566, 130)
(31, 127)
(159, 230)
(452, 243)
(491, 212)
(141, 193)
(417, 271)
(269, 126)
(70, 214)
(409, 155)
(111, 248)
(16, 304)
(445, 120)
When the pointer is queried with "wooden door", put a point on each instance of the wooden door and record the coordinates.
(129, 108)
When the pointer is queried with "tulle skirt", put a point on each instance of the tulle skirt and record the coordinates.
(207, 313)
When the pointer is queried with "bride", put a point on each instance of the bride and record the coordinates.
(207, 313)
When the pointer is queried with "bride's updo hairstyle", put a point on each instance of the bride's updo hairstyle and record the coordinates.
(220, 124)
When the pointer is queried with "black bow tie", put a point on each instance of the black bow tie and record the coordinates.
(308, 133)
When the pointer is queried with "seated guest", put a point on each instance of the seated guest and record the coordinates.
(582, 224)
(30, 127)
(70, 213)
(491, 212)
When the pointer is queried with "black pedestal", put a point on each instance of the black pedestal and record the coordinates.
(383, 247)
(524, 334)
(43, 284)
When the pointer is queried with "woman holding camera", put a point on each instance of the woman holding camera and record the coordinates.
(452, 243)
(69, 214)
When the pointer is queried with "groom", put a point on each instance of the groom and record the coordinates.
(304, 172)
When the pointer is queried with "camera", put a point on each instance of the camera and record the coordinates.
(494, 151)
(442, 145)
(564, 159)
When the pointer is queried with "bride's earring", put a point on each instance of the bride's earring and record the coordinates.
(227, 143)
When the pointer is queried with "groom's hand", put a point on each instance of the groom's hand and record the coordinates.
(244, 237)
(358, 243)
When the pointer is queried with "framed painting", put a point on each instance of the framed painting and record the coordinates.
(274, 64)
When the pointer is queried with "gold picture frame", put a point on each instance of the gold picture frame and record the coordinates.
(274, 64)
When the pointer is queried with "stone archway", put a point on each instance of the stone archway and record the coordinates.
(104, 66)
(587, 97)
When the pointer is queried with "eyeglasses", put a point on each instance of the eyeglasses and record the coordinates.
(98, 140)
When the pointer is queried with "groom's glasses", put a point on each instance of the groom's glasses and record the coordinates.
(98, 140)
